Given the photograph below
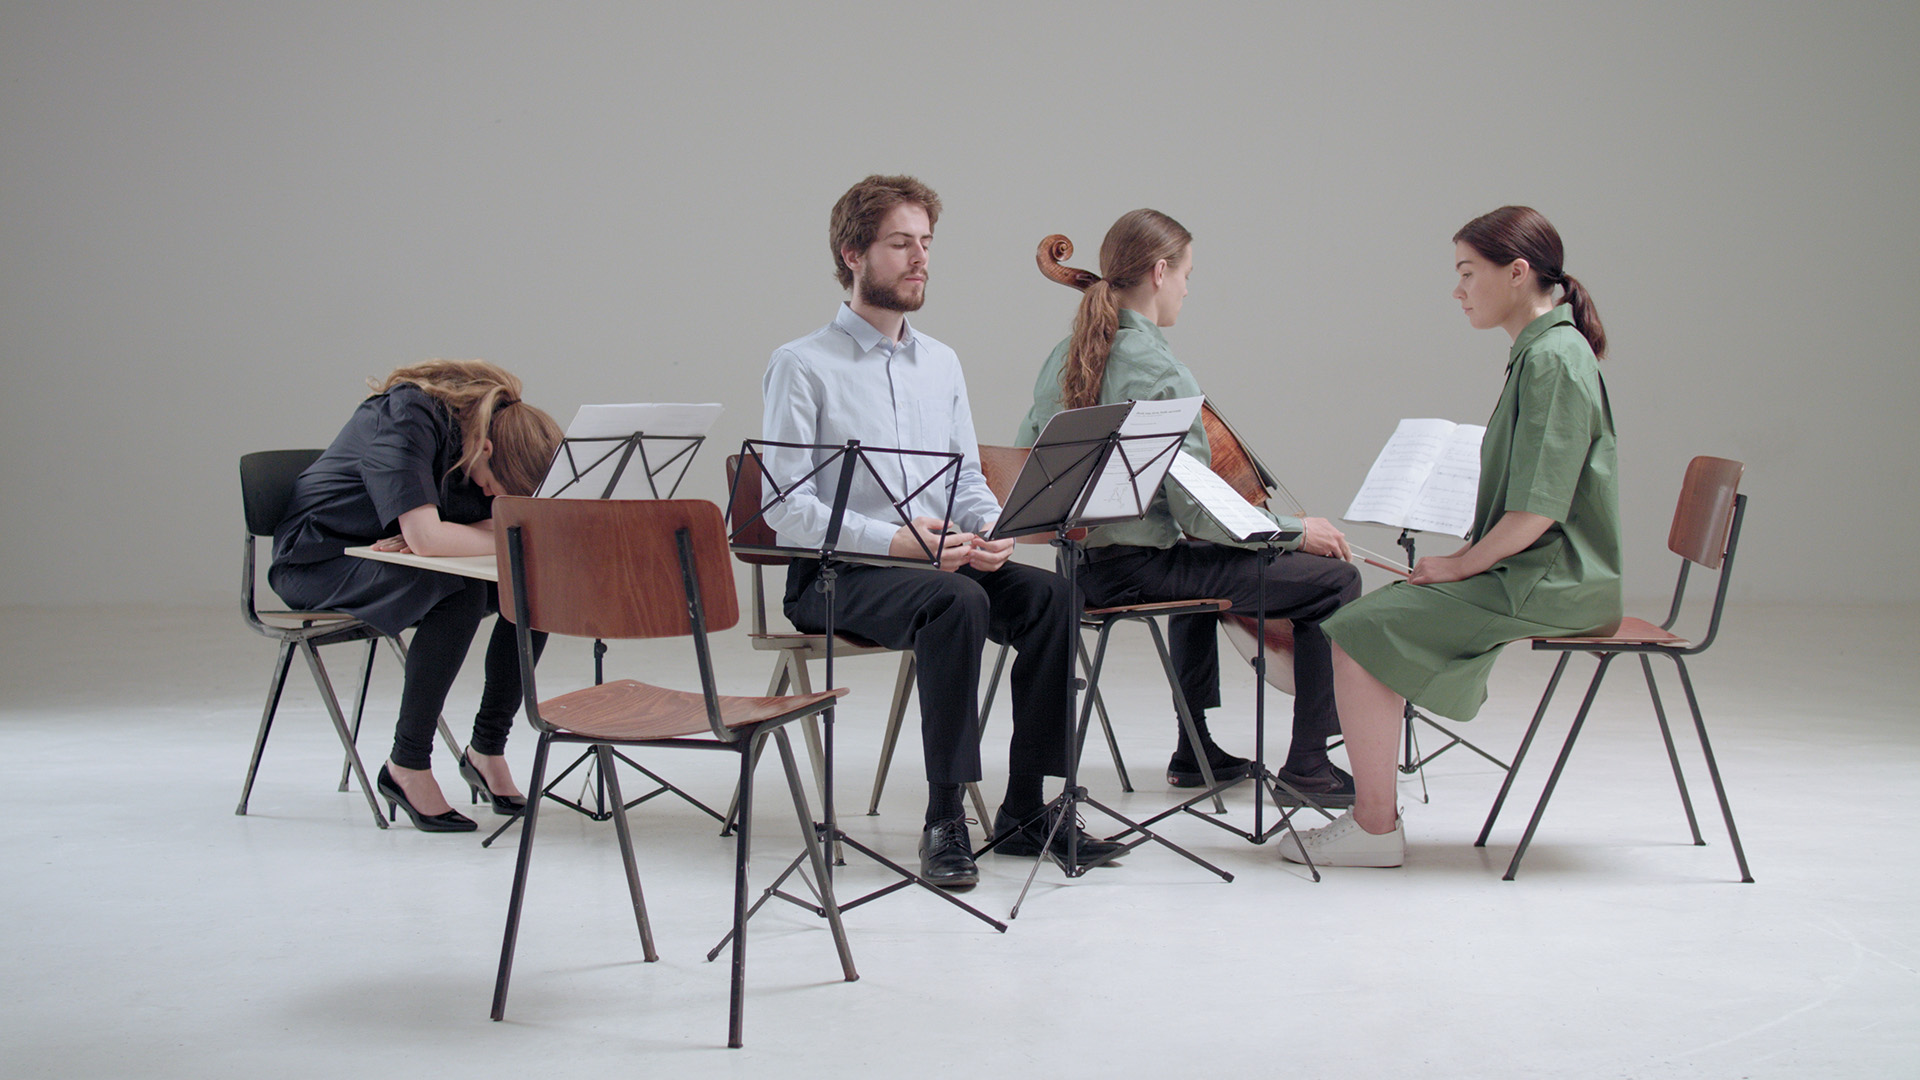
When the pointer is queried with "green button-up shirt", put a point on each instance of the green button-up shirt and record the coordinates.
(1141, 367)
(1550, 450)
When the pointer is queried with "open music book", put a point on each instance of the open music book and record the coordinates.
(1426, 478)
(1228, 508)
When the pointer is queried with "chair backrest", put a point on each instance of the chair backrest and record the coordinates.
(1001, 465)
(1705, 510)
(266, 485)
(746, 484)
(610, 568)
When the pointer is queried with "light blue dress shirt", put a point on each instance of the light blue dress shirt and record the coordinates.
(847, 380)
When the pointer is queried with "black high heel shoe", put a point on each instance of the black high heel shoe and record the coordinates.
(451, 821)
(504, 805)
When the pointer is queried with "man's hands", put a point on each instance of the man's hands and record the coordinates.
(1323, 539)
(956, 548)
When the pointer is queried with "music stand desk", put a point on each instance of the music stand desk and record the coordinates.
(471, 566)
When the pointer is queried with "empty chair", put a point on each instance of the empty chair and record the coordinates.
(643, 569)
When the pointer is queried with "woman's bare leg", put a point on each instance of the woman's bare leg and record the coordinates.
(1371, 716)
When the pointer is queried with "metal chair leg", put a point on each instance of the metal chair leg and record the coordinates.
(1106, 722)
(823, 880)
(1185, 712)
(1566, 751)
(625, 833)
(742, 834)
(518, 894)
(332, 703)
(896, 715)
(1506, 784)
(359, 706)
(1673, 757)
(1713, 770)
(275, 684)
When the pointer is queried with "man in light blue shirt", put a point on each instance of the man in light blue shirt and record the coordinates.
(870, 375)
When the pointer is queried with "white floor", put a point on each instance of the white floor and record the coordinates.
(150, 932)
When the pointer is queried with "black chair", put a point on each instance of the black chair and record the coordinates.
(266, 484)
(1706, 530)
(612, 569)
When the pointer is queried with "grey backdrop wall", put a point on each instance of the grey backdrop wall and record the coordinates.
(218, 218)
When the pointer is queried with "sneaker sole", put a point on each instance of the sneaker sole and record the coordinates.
(1291, 853)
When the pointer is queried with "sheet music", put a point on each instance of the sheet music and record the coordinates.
(1226, 506)
(1133, 473)
(653, 418)
(1427, 477)
(587, 461)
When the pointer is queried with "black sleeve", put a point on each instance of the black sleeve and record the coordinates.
(401, 463)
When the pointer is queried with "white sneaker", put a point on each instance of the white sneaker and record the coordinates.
(1345, 843)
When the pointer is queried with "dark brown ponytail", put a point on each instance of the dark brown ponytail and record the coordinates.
(1135, 244)
(1521, 232)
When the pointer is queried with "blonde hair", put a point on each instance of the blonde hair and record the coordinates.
(485, 402)
(1136, 243)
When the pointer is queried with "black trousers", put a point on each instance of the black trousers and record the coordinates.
(1299, 587)
(439, 646)
(947, 618)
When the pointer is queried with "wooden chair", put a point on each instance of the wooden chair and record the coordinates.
(613, 569)
(794, 651)
(1706, 530)
(266, 486)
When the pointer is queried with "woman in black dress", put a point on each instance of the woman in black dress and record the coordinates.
(423, 458)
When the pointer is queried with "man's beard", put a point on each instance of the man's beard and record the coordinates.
(889, 297)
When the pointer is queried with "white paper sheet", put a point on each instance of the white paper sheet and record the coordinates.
(1227, 506)
(1120, 493)
(1426, 477)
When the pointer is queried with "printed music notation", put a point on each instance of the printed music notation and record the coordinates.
(1426, 478)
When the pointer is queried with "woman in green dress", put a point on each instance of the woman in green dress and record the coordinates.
(1543, 557)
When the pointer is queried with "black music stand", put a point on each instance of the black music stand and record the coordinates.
(593, 467)
(853, 460)
(1082, 472)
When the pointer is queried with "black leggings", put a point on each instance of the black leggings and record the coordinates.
(439, 645)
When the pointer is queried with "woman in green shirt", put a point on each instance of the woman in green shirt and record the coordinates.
(1544, 554)
(1176, 552)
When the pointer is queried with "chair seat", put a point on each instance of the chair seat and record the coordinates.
(642, 712)
(1632, 631)
(1162, 608)
(815, 645)
(304, 616)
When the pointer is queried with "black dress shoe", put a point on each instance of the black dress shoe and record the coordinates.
(451, 821)
(1329, 786)
(504, 805)
(1013, 839)
(1184, 769)
(946, 855)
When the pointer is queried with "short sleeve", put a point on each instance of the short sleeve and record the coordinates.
(1553, 429)
(399, 463)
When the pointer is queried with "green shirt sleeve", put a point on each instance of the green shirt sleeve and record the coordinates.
(1552, 433)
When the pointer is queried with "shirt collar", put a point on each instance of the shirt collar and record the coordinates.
(1133, 320)
(863, 333)
(1559, 316)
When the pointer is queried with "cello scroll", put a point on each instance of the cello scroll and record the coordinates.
(1051, 251)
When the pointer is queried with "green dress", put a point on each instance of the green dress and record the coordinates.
(1549, 450)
